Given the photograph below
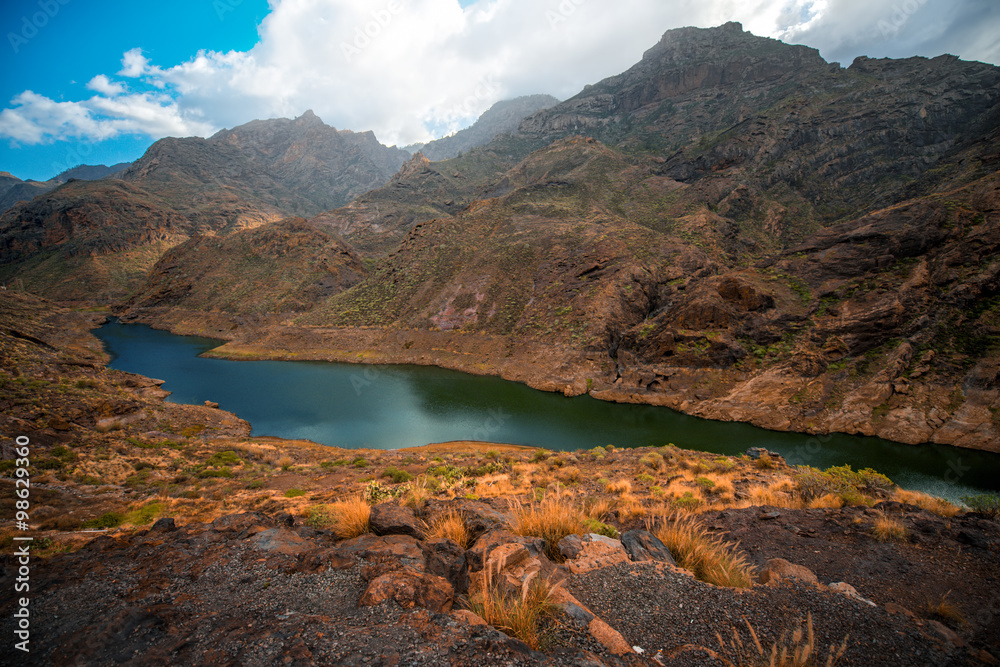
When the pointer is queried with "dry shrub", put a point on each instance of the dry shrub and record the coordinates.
(450, 525)
(777, 493)
(887, 529)
(945, 610)
(829, 501)
(620, 487)
(552, 519)
(350, 517)
(798, 650)
(925, 501)
(598, 507)
(515, 615)
(708, 557)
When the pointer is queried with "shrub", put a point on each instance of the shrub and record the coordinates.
(376, 493)
(601, 528)
(646, 477)
(294, 493)
(450, 525)
(106, 520)
(984, 503)
(887, 529)
(144, 515)
(706, 556)
(705, 483)
(764, 462)
(396, 475)
(518, 616)
(319, 518)
(221, 472)
(652, 460)
(551, 519)
(350, 517)
(687, 502)
(360, 462)
(226, 458)
(256, 484)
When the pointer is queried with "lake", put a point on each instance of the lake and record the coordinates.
(389, 407)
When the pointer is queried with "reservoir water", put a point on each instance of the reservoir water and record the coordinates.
(389, 407)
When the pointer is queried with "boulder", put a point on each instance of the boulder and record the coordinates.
(487, 542)
(164, 525)
(851, 592)
(410, 589)
(777, 569)
(591, 552)
(643, 546)
(392, 519)
(402, 550)
(445, 558)
(281, 541)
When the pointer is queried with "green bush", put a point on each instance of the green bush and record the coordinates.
(687, 501)
(855, 487)
(984, 503)
(226, 458)
(360, 462)
(221, 472)
(396, 475)
(705, 483)
(601, 528)
(294, 493)
(106, 520)
(376, 493)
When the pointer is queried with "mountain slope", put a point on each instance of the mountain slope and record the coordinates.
(503, 117)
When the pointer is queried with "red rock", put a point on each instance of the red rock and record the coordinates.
(410, 589)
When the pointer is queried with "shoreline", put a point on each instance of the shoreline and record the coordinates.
(765, 399)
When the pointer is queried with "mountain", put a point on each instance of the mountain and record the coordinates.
(14, 190)
(91, 172)
(503, 117)
(242, 178)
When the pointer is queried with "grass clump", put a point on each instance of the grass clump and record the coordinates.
(350, 517)
(706, 556)
(294, 493)
(450, 525)
(519, 616)
(887, 529)
(551, 519)
(144, 514)
(943, 609)
(797, 650)
(226, 458)
(601, 528)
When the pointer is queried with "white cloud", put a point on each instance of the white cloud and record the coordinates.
(102, 84)
(415, 69)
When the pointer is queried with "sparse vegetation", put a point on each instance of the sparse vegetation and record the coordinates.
(350, 517)
(888, 529)
(706, 556)
(551, 519)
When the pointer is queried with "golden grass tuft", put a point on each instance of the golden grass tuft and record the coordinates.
(518, 616)
(708, 557)
(552, 519)
(350, 517)
(777, 493)
(828, 501)
(797, 650)
(619, 486)
(450, 525)
(945, 610)
(925, 501)
(887, 529)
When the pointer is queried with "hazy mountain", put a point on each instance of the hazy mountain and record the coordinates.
(501, 118)
(13, 189)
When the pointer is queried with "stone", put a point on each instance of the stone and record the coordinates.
(244, 525)
(392, 519)
(403, 550)
(282, 541)
(945, 634)
(410, 589)
(212, 404)
(642, 546)
(467, 617)
(445, 558)
(894, 609)
(592, 552)
(851, 592)
(777, 569)
(164, 525)
(487, 542)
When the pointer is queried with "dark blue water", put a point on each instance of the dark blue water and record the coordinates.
(389, 407)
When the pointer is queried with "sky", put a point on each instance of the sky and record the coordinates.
(96, 82)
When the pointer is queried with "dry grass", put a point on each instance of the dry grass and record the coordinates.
(927, 502)
(495, 486)
(887, 529)
(797, 650)
(619, 487)
(945, 610)
(516, 615)
(706, 556)
(829, 501)
(552, 519)
(450, 525)
(350, 517)
(778, 493)
(417, 493)
(598, 508)
(630, 507)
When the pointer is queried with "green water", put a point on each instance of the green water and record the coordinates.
(388, 407)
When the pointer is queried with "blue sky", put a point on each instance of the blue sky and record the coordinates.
(98, 82)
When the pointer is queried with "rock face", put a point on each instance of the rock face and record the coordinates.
(503, 117)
